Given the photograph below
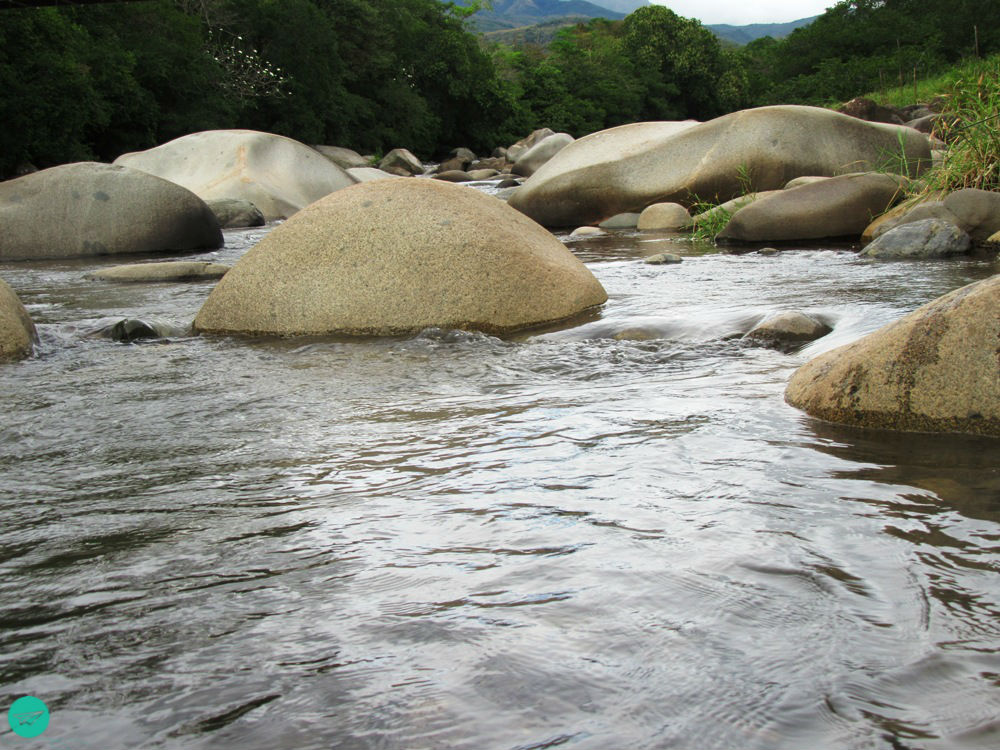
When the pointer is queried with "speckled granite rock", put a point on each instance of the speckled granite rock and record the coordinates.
(17, 332)
(397, 256)
(177, 270)
(934, 370)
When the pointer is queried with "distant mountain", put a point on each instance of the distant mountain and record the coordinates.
(746, 34)
(510, 14)
(622, 6)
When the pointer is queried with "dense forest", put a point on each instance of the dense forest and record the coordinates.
(93, 81)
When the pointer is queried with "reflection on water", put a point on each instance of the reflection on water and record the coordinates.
(580, 537)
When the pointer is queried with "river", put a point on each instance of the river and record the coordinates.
(613, 535)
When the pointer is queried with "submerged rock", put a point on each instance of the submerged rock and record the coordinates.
(398, 256)
(168, 271)
(127, 330)
(627, 168)
(87, 208)
(277, 174)
(928, 238)
(17, 332)
(934, 370)
(788, 330)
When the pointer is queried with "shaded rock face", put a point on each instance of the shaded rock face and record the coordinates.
(835, 207)
(786, 331)
(633, 166)
(168, 271)
(17, 332)
(398, 256)
(83, 209)
(532, 159)
(934, 370)
(232, 212)
(400, 160)
(928, 238)
(278, 175)
(866, 109)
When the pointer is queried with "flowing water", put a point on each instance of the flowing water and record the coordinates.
(613, 535)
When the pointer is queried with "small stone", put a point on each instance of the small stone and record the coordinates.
(164, 271)
(586, 232)
(662, 259)
(787, 330)
(768, 251)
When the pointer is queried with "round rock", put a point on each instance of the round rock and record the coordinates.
(17, 332)
(934, 370)
(661, 259)
(87, 208)
(924, 239)
(398, 256)
(669, 217)
(233, 212)
(787, 330)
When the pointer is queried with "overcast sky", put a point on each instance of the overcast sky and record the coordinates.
(741, 12)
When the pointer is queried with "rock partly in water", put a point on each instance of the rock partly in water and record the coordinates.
(668, 217)
(532, 159)
(620, 221)
(400, 159)
(632, 166)
(344, 158)
(179, 270)
(277, 174)
(398, 256)
(924, 239)
(934, 370)
(85, 209)
(128, 330)
(586, 232)
(455, 163)
(233, 212)
(367, 174)
(662, 259)
(17, 332)
(482, 174)
(453, 175)
(768, 251)
(787, 330)
(836, 207)
(510, 182)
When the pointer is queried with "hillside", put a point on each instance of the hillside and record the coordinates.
(746, 34)
(512, 14)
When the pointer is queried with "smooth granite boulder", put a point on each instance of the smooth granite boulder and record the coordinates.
(978, 211)
(837, 207)
(669, 217)
(234, 212)
(344, 158)
(178, 270)
(630, 167)
(367, 174)
(787, 330)
(924, 239)
(17, 332)
(397, 256)
(934, 370)
(82, 209)
(532, 159)
(278, 175)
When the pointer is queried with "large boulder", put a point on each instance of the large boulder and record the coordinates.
(632, 166)
(397, 256)
(532, 159)
(278, 175)
(837, 207)
(934, 370)
(17, 332)
(928, 238)
(88, 208)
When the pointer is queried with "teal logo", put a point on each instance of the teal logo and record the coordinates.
(28, 717)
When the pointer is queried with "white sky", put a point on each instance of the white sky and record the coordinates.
(742, 12)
